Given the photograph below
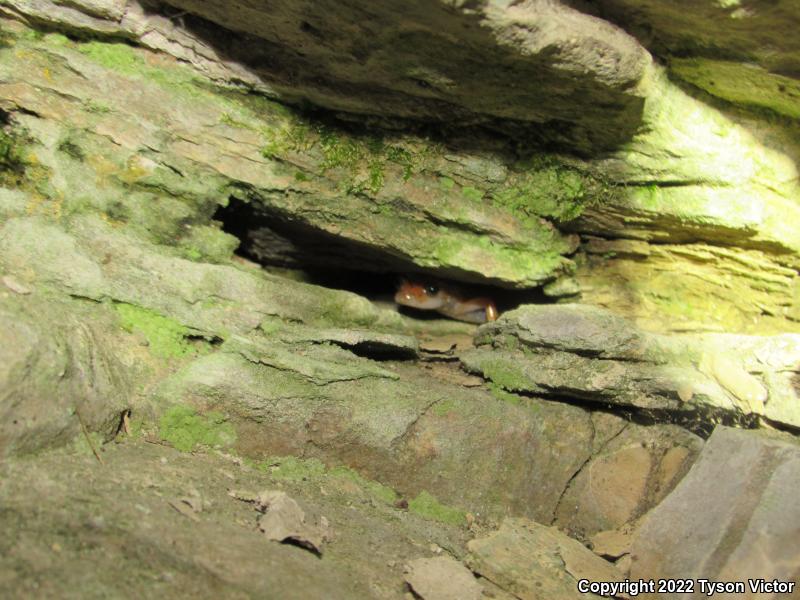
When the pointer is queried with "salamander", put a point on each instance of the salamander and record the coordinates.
(445, 300)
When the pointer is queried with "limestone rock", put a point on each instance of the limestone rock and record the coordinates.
(733, 517)
(533, 561)
(578, 351)
(442, 578)
(95, 261)
(437, 56)
(73, 529)
(387, 203)
(629, 475)
(757, 33)
(612, 544)
(715, 289)
(284, 521)
(393, 423)
(58, 367)
(316, 191)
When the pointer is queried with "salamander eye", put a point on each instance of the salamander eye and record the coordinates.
(432, 290)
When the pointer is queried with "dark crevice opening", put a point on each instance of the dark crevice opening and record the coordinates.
(377, 351)
(700, 421)
(279, 242)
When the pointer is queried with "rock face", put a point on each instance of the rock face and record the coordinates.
(188, 148)
(122, 522)
(631, 472)
(582, 352)
(757, 33)
(532, 561)
(352, 187)
(487, 64)
(733, 517)
(529, 146)
(58, 374)
(442, 579)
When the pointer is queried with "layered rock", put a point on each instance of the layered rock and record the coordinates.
(752, 534)
(487, 64)
(707, 191)
(586, 353)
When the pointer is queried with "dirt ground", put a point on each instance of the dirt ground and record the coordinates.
(154, 522)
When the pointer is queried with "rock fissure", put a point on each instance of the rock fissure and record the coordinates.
(577, 472)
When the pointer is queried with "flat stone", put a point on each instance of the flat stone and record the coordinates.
(734, 516)
(587, 352)
(627, 477)
(532, 561)
(442, 578)
(613, 543)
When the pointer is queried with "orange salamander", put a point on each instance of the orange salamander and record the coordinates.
(445, 300)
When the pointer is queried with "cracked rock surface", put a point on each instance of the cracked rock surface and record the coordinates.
(160, 394)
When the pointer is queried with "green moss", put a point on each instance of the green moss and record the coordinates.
(340, 152)
(744, 85)
(444, 407)
(185, 429)
(538, 259)
(271, 325)
(446, 183)
(208, 243)
(166, 337)
(58, 39)
(506, 374)
(472, 194)
(377, 490)
(97, 107)
(291, 468)
(545, 188)
(404, 158)
(118, 57)
(360, 160)
(426, 505)
(129, 61)
(31, 35)
(375, 178)
(228, 119)
(498, 392)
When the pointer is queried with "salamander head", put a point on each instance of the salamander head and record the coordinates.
(420, 295)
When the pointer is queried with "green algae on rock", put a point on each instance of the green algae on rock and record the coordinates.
(166, 338)
(741, 85)
(426, 505)
(185, 429)
(364, 189)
